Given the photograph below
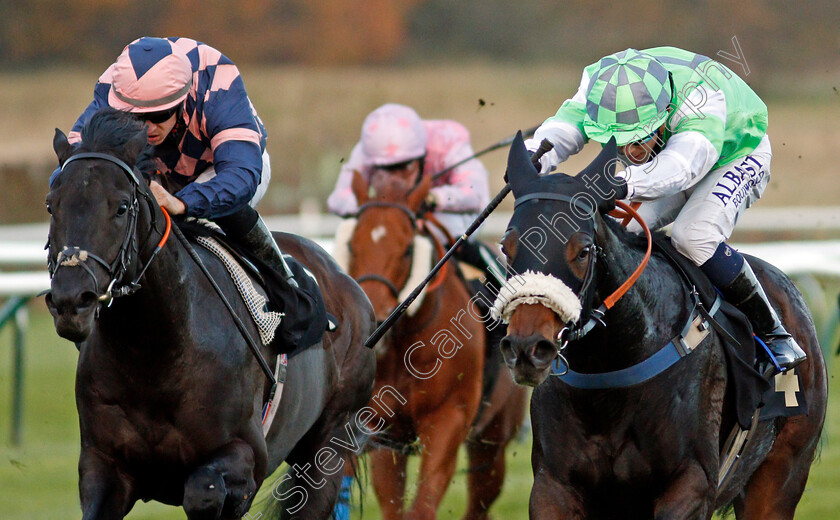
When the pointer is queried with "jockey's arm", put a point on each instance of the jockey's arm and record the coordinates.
(686, 158)
(564, 130)
(688, 155)
(341, 201)
(238, 166)
(466, 189)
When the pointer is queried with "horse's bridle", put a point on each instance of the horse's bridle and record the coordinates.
(72, 256)
(395, 291)
(576, 330)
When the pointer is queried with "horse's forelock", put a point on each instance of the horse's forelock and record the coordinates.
(109, 130)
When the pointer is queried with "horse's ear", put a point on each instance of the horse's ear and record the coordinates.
(136, 144)
(360, 188)
(417, 195)
(61, 146)
(520, 170)
(604, 162)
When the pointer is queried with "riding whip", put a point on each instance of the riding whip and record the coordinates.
(377, 334)
(504, 142)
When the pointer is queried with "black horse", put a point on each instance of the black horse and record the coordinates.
(649, 449)
(168, 393)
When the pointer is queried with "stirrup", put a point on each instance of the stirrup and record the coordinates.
(784, 351)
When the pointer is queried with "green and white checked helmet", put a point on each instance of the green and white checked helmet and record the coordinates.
(628, 97)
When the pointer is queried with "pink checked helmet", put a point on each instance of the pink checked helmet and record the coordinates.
(151, 75)
(393, 134)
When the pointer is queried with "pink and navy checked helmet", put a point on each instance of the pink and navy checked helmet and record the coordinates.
(393, 134)
(151, 75)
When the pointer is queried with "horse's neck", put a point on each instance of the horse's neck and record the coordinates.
(159, 310)
(647, 316)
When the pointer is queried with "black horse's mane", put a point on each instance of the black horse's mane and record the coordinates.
(109, 130)
(634, 240)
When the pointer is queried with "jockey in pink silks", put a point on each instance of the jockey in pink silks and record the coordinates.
(395, 141)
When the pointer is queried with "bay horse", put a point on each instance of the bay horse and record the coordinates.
(648, 449)
(168, 393)
(430, 364)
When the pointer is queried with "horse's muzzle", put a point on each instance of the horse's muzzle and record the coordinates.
(528, 358)
(73, 312)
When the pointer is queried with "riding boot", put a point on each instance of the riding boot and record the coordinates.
(746, 293)
(260, 241)
(247, 228)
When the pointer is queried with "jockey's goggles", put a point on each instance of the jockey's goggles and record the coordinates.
(640, 142)
(157, 118)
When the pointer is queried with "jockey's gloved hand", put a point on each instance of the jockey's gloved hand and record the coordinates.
(429, 204)
(536, 155)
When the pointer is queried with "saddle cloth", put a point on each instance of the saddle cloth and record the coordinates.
(745, 358)
(290, 319)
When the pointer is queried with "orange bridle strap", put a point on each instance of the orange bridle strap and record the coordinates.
(628, 213)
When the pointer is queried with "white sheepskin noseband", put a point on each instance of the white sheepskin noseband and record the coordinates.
(540, 288)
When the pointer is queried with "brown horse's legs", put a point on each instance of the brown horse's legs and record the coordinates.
(486, 476)
(223, 486)
(776, 486)
(106, 494)
(441, 434)
(486, 448)
(388, 470)
(689, 497)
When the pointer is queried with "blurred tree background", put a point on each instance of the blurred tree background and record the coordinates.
(784, 34)
(314, 69)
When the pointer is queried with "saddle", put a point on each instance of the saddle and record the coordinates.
(303, 317)
(752, 384)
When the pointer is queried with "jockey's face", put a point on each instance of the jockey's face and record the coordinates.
(158, 131)
(403, 174)
(159, 124)
(640, 152)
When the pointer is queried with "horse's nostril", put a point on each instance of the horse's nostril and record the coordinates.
(86, 299)
(545, 350)
(505, 345)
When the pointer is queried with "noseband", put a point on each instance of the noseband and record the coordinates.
(576, 330)
(72, 256)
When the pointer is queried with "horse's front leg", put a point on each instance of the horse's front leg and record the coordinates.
(224, 487)
(441, 434)
(106, 493)
(689, 497)
(388, 470)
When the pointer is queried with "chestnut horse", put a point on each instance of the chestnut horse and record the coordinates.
(430, 365)
(648, 449)
(168, 393)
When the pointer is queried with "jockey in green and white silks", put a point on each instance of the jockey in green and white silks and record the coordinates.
(692, 136)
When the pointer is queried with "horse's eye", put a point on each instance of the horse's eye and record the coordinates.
(409, 251)
(583, 253)
(122, 209)
(49, 208)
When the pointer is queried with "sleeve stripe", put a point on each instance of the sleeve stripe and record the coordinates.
(235, 134)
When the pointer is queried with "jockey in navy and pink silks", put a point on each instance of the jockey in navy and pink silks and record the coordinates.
(396, 141)
(208, 140)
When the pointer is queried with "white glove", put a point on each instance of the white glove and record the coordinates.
(547, 163)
